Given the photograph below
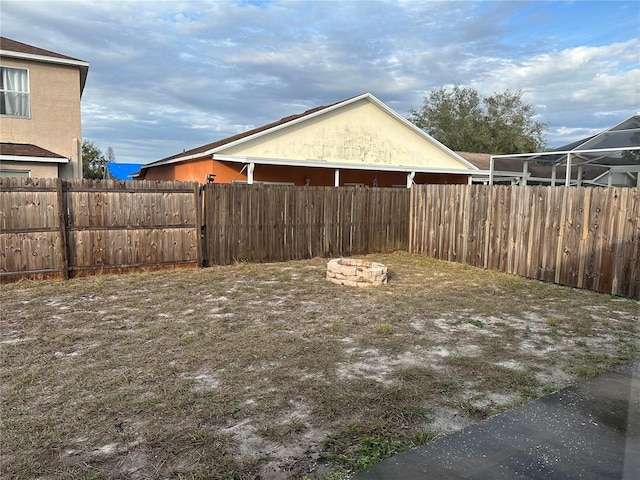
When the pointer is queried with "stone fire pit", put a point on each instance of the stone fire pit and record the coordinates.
(356, 273)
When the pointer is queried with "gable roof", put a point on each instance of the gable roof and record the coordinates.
(234, 138)
(14, 49)
(212, 148)
(26, 152)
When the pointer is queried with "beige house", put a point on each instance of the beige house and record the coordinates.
(355, 142)
(40, 129)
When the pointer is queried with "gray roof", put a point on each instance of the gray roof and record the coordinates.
(13, 48)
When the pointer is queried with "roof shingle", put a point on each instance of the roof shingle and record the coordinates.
(26, 150)
(248, 133)
(19, 47)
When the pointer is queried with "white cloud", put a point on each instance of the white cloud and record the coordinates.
(168, 75)
(576, 86)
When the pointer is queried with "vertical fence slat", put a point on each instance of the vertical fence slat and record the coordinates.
(74, 227)
(584, 237)
(280, 223)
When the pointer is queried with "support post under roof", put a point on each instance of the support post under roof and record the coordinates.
(410, 177)
(567, 177)
(250, 170)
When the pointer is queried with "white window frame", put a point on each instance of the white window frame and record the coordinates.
(4, 91)
(9, 173)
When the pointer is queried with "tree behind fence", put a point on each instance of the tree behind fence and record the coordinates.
(581, 237)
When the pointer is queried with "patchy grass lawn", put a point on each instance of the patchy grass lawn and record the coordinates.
(269, 371)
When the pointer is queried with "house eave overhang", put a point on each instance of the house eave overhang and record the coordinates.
(22, 158)
(195, 156)
(337, 106)
(311, 163)
(220, 149)
(81, 64)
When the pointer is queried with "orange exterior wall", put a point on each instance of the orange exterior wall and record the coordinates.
(325, 176)
(196, 171)
(228, 172)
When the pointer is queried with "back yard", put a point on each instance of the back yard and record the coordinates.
(269, 371)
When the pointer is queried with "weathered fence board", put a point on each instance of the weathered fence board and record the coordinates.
(120, 225)
(582, 237)
(279, 223)
(31, 234)
(61, 228)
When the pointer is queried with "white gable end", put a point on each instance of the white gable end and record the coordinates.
(359, 132)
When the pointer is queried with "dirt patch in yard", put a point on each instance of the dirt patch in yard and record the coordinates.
(270, 371)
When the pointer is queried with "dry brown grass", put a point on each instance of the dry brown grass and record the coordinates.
(268, 369)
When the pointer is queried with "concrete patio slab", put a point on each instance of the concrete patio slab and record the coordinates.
(587, 431)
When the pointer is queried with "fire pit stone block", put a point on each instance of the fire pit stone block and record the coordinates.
(356, 273)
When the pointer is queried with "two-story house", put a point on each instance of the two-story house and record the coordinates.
(40, 121)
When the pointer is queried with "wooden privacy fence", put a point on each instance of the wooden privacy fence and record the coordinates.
(62, 228)
(279, 223)
(581, 237)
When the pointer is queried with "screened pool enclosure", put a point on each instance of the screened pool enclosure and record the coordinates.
(610, 158)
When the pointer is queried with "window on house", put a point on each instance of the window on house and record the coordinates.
(14, 92)
(15, 173)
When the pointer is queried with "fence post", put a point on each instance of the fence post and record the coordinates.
(412, 218)
(62, 225)
(199, 224)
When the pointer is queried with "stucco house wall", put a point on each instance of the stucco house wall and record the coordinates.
(33, 169)
(55, 91)
(358, 133)
(357, 141)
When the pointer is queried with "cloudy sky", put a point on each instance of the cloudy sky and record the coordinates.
(167, 76)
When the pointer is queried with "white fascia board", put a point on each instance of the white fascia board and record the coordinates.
(22, 158)
(501, 173)
(373, 100)
(344, 166)
(43, 58)
(207, 153)
(292, 122)
(420, 132)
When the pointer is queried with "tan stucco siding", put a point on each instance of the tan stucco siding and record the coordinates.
(35, 169)
(357, 133)
(55, 123)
